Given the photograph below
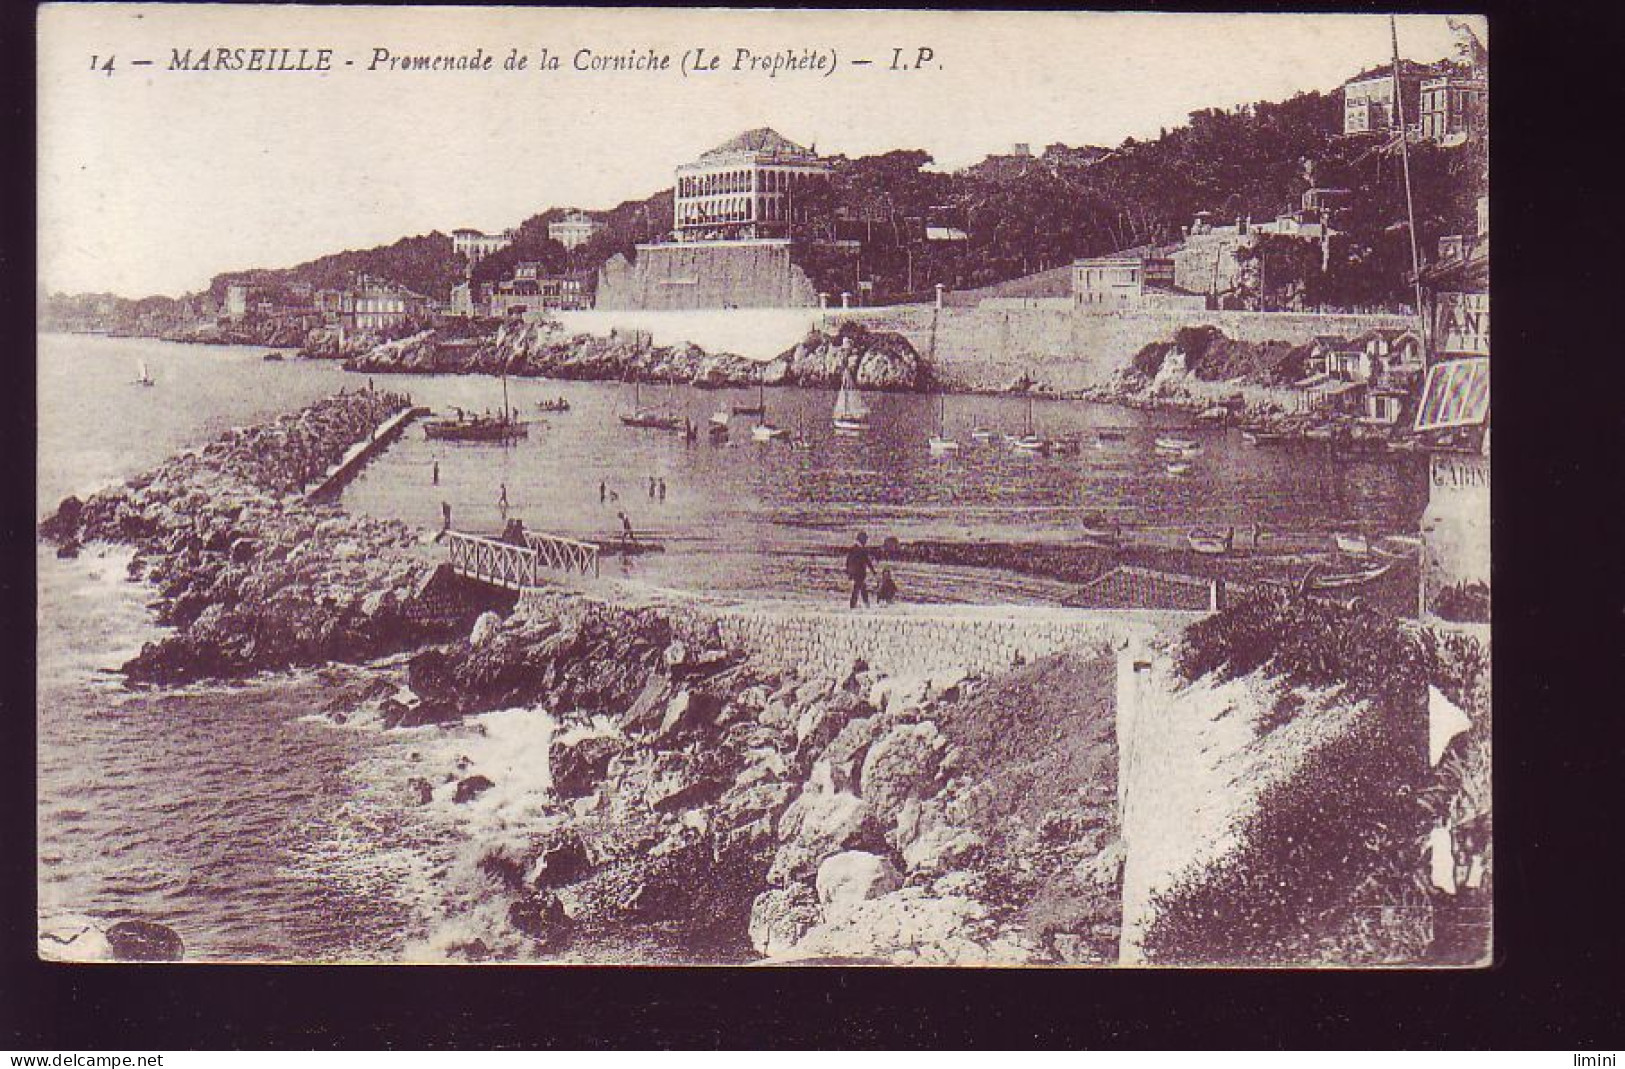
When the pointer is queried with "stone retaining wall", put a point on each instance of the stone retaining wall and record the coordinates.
(985, 642)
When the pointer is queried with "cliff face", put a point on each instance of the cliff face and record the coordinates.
(879, 360)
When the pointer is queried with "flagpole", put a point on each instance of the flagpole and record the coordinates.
(1410, 204)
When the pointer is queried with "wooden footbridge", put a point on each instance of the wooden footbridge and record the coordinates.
(518, 567)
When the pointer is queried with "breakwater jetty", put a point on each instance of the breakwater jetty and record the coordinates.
(250, 570)
(357, 456)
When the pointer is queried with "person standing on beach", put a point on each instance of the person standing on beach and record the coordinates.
(502, 502)
(603, 491)
(445, 514)
(628, 539)
(435, 478)
(858, 564)
(662, 491)
(651, 488)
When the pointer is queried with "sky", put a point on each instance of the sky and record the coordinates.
(153, 180)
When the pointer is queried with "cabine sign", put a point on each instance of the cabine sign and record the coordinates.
(1463, 326)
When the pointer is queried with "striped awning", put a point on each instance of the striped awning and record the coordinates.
(1457, 394)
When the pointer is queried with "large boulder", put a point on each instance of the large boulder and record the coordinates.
(562, 860)
(821, 822)
(145, 941)
(854, 876)
(579, 764)
(471, 788)
(911, 926)
(780, 916)
(904, 763)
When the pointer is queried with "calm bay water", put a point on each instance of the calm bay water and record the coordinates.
(260, 831)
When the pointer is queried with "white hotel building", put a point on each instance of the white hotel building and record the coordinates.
(746, 188)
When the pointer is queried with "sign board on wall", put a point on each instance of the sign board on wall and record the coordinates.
(1463, 324)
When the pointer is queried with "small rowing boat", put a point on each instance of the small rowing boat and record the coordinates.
(1261, 437)
(1177, 467)
(1343, 580)
(1355, 545)
(1170, 444)
(1210, 543)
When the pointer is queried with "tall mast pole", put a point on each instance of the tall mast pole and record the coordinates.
(1405, 163)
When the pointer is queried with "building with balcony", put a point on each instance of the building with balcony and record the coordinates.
(374, 304)
(1369, 102)
(531, 293)
(757, 185)
(1453, 108)
(474, 245)
(574, 230)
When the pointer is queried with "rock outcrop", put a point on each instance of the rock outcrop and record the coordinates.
(757, 811)
(249, 575)
(878, 360)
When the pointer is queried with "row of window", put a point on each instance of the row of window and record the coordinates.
(772, 181)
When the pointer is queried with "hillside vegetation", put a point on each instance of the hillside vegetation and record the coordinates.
(1026, 214)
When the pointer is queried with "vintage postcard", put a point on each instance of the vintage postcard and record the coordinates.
(763, 487)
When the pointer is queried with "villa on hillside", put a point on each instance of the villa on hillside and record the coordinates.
(474, 245)
(747, 187)
(574, 230)
(375, 304)
(532, 292)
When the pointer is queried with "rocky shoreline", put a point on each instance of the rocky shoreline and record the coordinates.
(878, 360)
(742, 808)
(249, 575)
(750, 810)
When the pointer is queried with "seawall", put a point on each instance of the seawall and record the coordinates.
(989, 347)
(706, 275)
(977, 349)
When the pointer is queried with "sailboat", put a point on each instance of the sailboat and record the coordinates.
(1030, 442)
(142, 378)
(939, 443)
(851, 415)
(757, 409)
(500, 428)
(652, 418)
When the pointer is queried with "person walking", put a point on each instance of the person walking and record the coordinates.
(662, 491)
(628, 539)
(603, 491)
(651, 488)
(858, 564)
(445, 515)
(434, 480)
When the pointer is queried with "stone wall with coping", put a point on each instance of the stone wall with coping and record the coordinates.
(980, 639)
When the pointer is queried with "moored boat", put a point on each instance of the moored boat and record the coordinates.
(1398, 547)
(1177, 467)
(558, 404)
(1210, 543)
(142, 377)
(1170, 444)
(851, 414)
(1356, 545)
(1343, 580)
(475, 429)
(649, 418)
(939, 443)
(1255, 436)
(766, 432)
